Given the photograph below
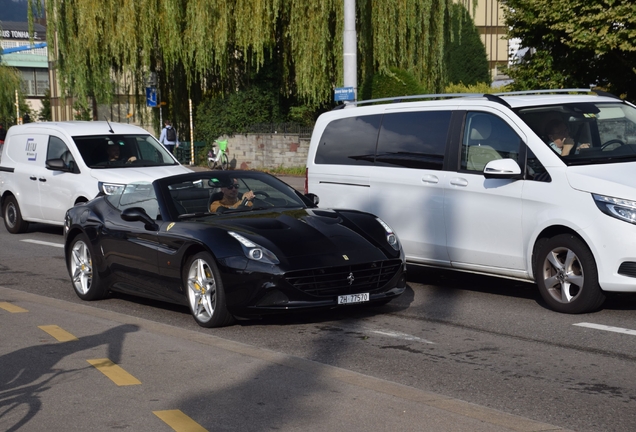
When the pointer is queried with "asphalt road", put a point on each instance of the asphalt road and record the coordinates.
(480, 340)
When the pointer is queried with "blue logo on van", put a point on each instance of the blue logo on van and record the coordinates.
(31, 147)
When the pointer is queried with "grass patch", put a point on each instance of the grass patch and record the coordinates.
(294, 171)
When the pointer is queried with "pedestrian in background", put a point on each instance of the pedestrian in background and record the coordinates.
(169, 137)
(3, 133)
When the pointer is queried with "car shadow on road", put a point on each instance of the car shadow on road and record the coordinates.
(447, 282)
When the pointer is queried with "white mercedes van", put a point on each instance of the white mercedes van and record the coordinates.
(537, 186)
(46, 168)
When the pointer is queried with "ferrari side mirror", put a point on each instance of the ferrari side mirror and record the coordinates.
(137, 214)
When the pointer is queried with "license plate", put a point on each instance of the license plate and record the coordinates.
(353, 298)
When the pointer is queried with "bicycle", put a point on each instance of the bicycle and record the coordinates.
(220, 159)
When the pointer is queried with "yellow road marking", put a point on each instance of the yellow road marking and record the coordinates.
(116, 373)
(178, 421)
(10, 307)
(58, 333)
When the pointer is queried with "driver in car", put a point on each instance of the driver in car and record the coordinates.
(231, 197)
(560, 141)
(114, 154)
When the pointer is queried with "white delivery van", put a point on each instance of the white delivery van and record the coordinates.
(536, 186)
(46, 168)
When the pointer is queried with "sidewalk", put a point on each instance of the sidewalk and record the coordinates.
(216, 383)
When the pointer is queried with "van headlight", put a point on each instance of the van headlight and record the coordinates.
(110, 188)
(624, 210)
(391, 238)
(255, 251)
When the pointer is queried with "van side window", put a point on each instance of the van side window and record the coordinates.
(349, 141)
(486, 138)
(535, 169)
(413, 139)
(57, 149)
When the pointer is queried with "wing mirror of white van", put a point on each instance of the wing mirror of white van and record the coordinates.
(313, 198)
(59, 165)
(502, 168)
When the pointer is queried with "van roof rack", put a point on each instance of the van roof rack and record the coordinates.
(495, 97)
(531, 92)
(396, 99)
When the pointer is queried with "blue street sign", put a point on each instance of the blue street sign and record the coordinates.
(151, 96)
(344, 94)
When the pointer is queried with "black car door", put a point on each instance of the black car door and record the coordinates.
(130, 247)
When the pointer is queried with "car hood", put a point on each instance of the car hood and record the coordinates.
(327, 234)
(137, 174)
(615, 180)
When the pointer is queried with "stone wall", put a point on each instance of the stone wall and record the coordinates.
(253, 151)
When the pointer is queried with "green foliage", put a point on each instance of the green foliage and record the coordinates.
(537, 71)
(575, 43)
(474, 88)
(212, 46)
(304, 115)
(466, 57)
(407, 34)
(281, 170)
(10, 80)
(226, 115)
(396, 82)
(81, 111)
(45, 113)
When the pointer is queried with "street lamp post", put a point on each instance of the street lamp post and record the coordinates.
(350, 59)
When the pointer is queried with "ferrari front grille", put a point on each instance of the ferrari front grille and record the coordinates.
(324, 282)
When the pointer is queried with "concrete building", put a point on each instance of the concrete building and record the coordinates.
(32, 63)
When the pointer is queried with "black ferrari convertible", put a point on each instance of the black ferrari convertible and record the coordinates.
(227, 244)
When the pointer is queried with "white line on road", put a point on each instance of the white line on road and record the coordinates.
(60, 245)
(607, 328)
(398, 335)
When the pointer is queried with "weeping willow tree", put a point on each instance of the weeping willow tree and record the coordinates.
(10, 79)
(214, 45)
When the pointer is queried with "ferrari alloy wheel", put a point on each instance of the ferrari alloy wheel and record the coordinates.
(13, 217)
(85, 279)
(567, 276)
(206, 297)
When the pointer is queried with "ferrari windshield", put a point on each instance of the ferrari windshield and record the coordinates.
(131, 150)
(586, 133)
(222, 192)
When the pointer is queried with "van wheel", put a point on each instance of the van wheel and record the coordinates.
(13, 217)
(567, 276)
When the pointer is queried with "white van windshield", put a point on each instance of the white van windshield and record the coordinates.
(586, 133)
(118, 151)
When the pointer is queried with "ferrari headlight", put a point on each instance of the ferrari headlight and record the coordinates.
(624, 210)
(391, 238)
(110, 188)
(255, 251)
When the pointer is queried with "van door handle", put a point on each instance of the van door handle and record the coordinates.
(430, 179)
(33, 178)
(42, 179)
(458, 181)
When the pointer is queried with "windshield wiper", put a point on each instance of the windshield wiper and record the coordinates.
(194, 215)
